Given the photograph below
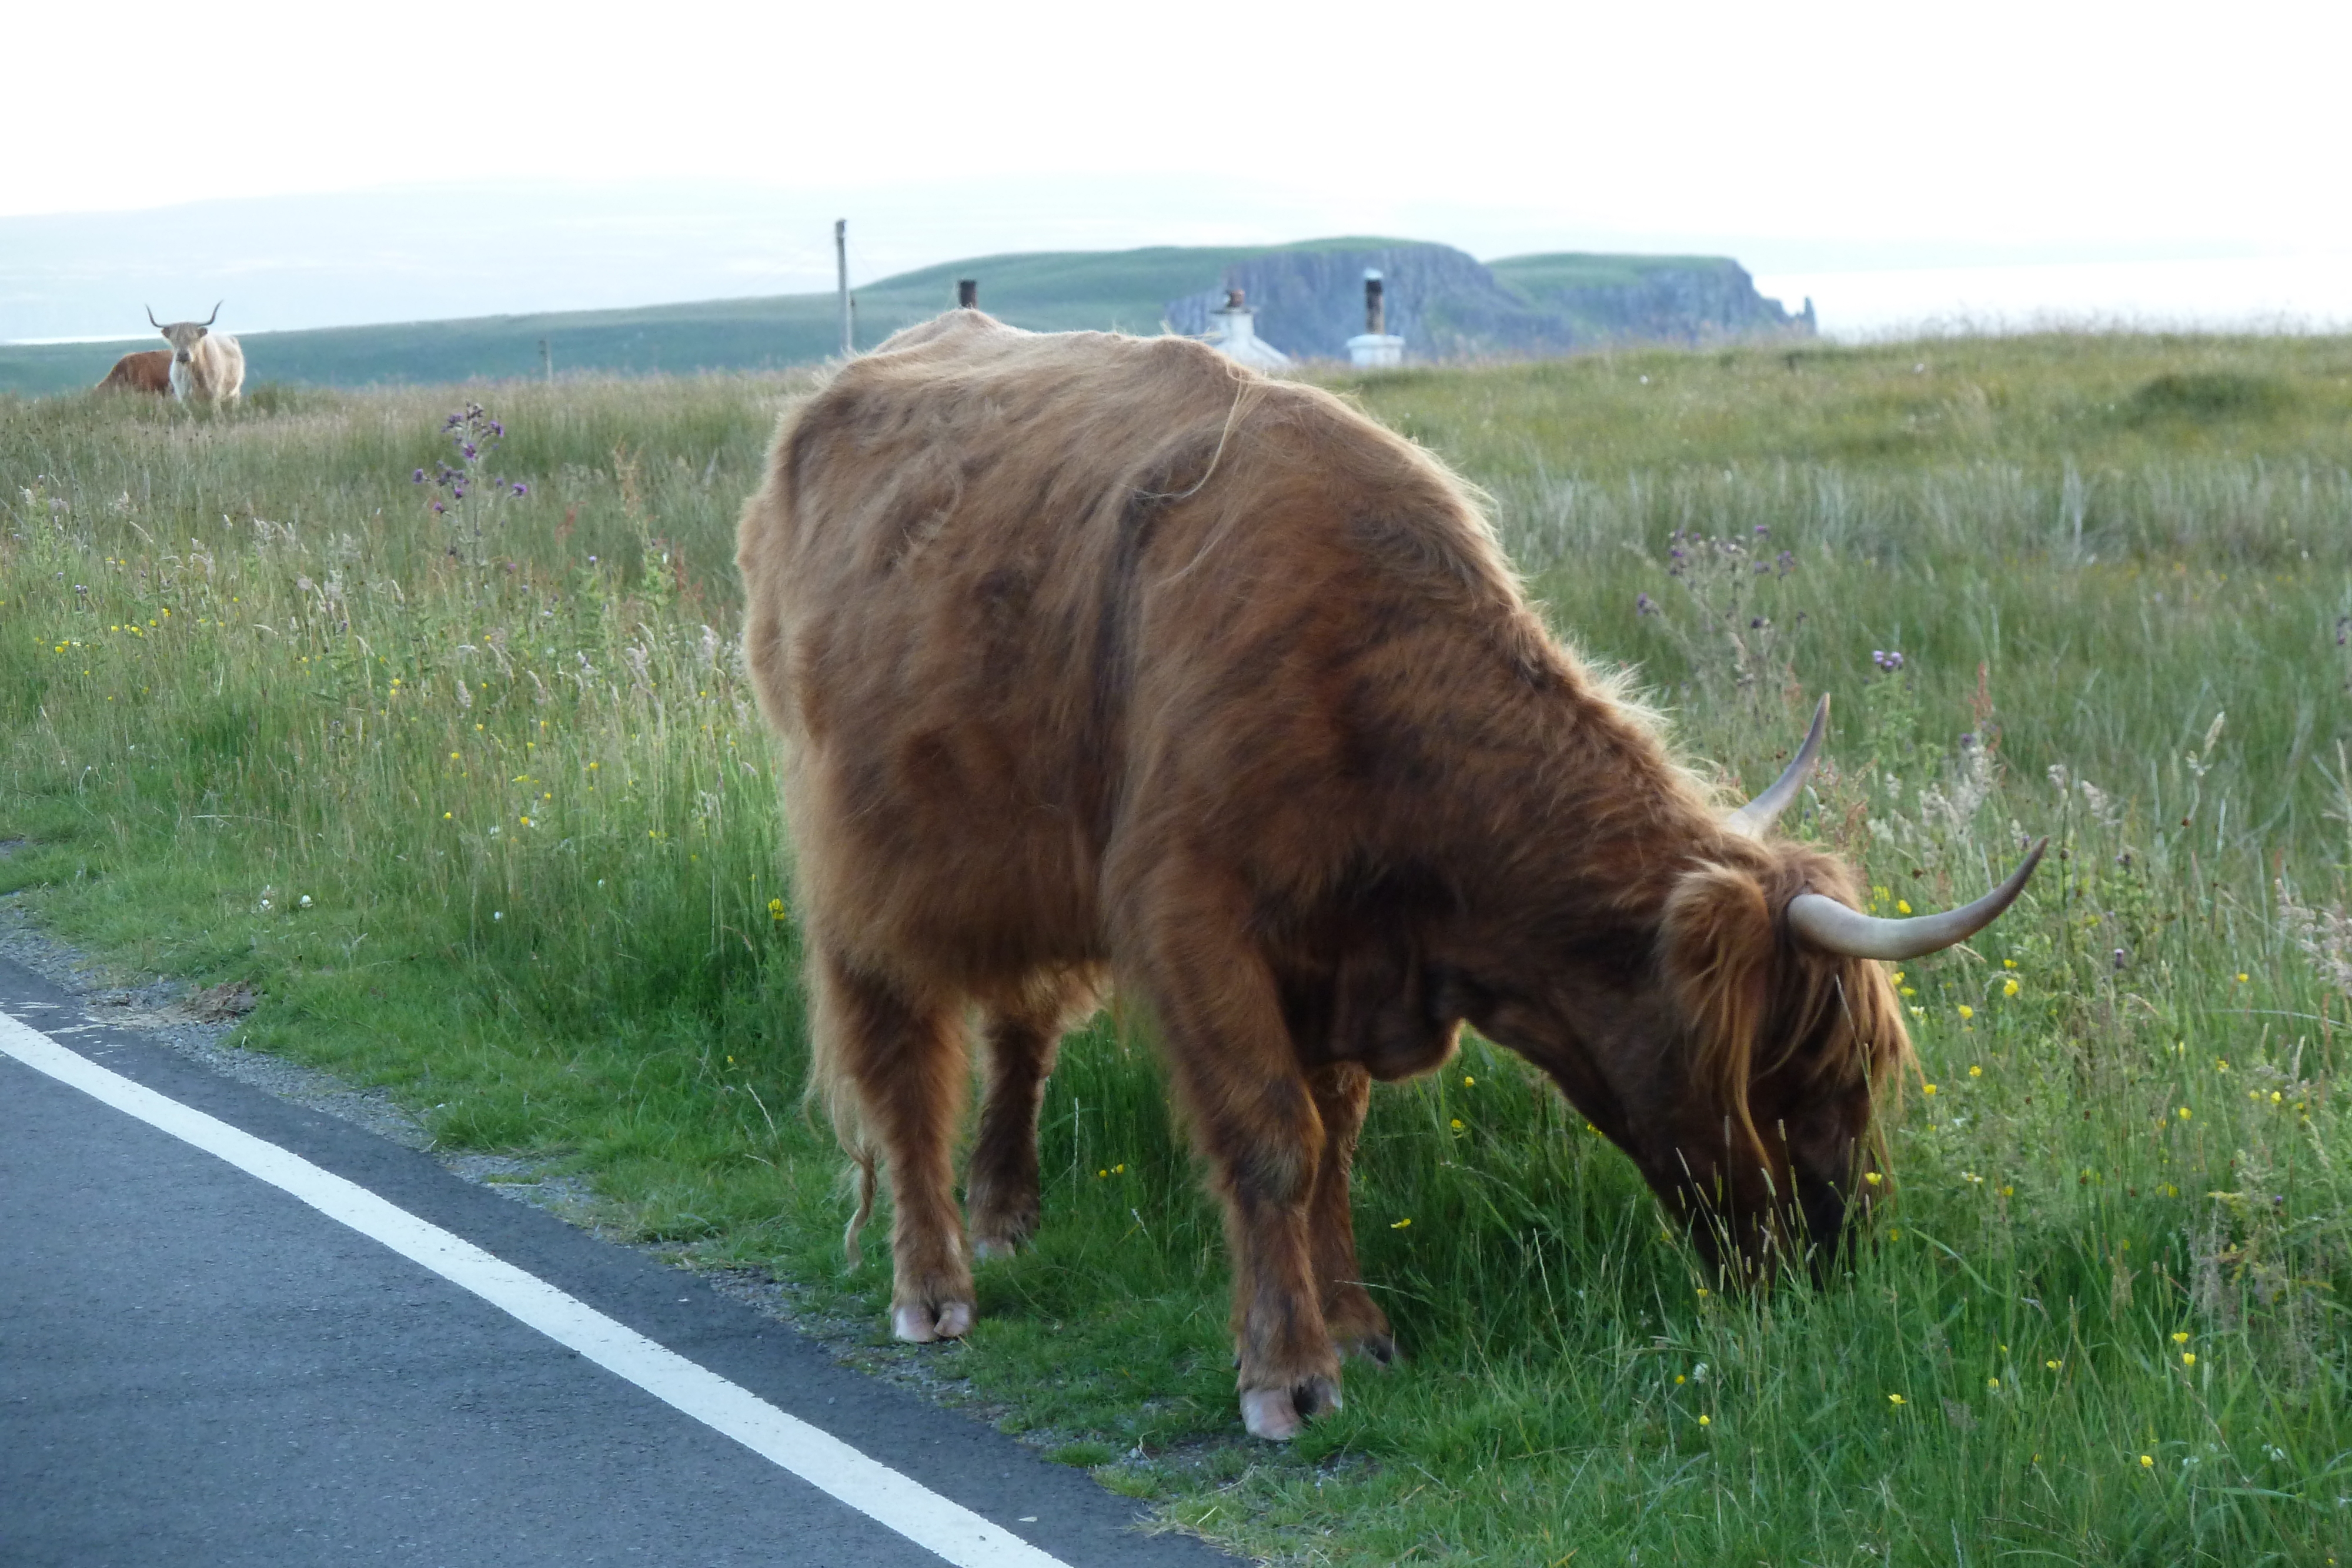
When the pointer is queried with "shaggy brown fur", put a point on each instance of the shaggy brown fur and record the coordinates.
(1100, 655)
(149, 370)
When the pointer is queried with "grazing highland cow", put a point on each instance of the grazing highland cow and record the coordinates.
(148, 370)
(204, 366)
(1101, 656)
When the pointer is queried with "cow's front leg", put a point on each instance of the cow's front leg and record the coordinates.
(1253, 1119)
(1342, 1091)
(902, 1061)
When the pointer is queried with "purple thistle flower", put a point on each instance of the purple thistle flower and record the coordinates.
(2120, 960)
(468, 448)
(438, 507)
(497, 429)
(1645, 605)
(1886, 659)
(420, 475)
(520, 488)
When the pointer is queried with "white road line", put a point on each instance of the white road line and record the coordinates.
(944, 1528)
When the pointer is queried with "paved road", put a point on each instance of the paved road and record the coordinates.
(199, 1368)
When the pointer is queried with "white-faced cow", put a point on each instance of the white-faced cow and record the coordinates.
(1101, 657)
(148, 370)
(204, 365)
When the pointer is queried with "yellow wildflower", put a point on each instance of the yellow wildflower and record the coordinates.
(2179, 1337)
(1902, 906)
(1400, 1225)
(1926, 1089)
(1896, 1399)
(1976, 1071)
(2008, 987)
(2147, 1463)
(1967, 1013)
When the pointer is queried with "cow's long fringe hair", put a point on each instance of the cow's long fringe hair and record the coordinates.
(1746, 988)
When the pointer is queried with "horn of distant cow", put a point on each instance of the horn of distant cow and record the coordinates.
(215, 315)
(1765, 810)
(151, 319)
(1829, 925)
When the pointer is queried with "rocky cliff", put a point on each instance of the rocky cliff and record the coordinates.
(1447, 304)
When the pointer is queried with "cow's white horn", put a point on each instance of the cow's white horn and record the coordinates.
(1824, 923)
(151, 319)
(215, 315)
(1765, 810)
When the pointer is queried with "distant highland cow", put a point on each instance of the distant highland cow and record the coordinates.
(202, 365)
(148, 370)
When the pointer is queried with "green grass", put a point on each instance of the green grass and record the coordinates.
(2101, 555)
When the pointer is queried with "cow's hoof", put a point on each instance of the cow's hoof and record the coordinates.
(1267, 1413)
(1277, 1414)
(919, 1325)
(988, 1249)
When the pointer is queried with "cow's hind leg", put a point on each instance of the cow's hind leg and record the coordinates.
(895, 1067)
(1021, 1041)
(1342, 1091)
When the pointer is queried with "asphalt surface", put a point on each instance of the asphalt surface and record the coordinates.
(198, 1368)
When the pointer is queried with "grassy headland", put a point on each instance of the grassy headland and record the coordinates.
(1045, 291)
(478, 800)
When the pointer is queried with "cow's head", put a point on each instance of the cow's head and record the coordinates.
(1739, 1058)
(183, 336)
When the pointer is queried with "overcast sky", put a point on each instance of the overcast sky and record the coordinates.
(1851, 135)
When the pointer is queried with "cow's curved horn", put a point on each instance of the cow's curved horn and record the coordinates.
(1823, 921)
(1765, 810)
(215, 315)
(151, 319)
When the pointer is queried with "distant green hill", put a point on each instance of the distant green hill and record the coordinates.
(1523, 306)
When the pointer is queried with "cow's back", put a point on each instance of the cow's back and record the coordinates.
(147, 370)
(1013, 597)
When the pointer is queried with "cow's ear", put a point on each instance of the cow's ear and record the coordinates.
(1716, 949)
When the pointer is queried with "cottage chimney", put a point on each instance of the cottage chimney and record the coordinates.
(1375, 348)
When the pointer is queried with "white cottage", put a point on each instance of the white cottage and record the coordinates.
(1233, 333)
(1375, 348)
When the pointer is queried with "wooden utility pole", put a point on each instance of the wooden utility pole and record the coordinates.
(841, 266)
(547, 361)
(967, 293)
